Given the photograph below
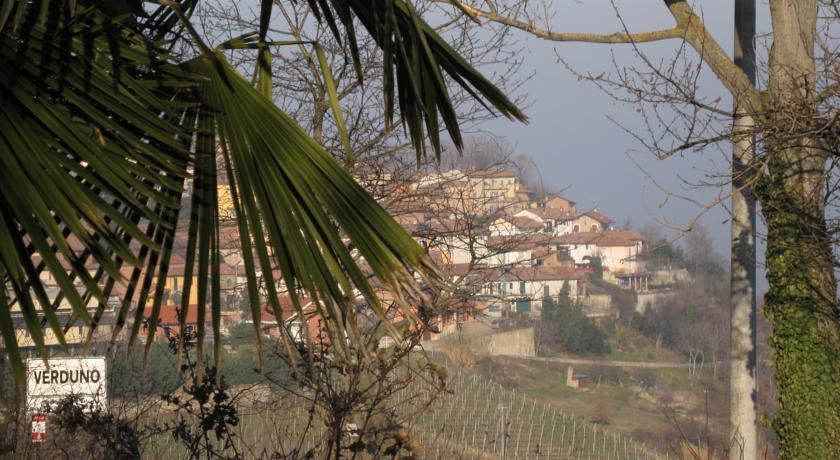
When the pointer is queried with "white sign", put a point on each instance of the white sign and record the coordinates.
(84, 378)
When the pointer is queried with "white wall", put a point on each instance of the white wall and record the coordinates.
(578, 251)
(510, 257)
(533, 289)
(622, 258)
(501, 227)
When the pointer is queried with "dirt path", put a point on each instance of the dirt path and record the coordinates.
(595, 362)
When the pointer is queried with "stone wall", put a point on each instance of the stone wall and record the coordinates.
(517, 342)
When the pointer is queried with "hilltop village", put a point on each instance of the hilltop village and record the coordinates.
(501, 248)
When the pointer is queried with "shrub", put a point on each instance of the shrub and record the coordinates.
(568, 329)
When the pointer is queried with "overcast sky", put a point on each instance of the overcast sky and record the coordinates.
(575, 145)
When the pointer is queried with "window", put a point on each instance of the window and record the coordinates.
(546, 291)
(594, 228)
(576, 229)
(296, 331)
(522, 287)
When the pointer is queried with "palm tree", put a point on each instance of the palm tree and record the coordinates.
(108, 108)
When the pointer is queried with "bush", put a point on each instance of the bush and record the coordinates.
(127, 377)
(566, 328)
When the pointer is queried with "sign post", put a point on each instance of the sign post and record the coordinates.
(39, 427)
(82, 378)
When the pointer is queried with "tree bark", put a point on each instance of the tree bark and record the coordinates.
(801, 303)
(742, 331)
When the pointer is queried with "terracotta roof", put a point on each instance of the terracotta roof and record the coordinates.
(524, 241)
(450, 226)
(525, 222)
(459, 269)
(517, 273)
(540, 273)
(612, 238)
(552, 197)
(287, 310)
(178, 269)
(597, 216)
(169, 315)
(552, 213)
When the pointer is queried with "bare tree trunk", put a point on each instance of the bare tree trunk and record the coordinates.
(742, 331)
(802, 301)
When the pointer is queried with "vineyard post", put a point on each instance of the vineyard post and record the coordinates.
(594, 439)
(604, 442)
(504, 434)
(463, 431)
(530, 432)
(542, 426)
(475, 428)
(583, 438)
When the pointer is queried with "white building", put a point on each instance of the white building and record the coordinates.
(618, 250)
(526, 286)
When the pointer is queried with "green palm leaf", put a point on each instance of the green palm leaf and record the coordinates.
(290, 193)
(85, 158)
(100, 127)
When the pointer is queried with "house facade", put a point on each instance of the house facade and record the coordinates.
(524, 288)
(592, 221)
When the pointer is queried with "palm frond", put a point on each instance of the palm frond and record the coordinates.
(85, 158)
(415, 59)
(100, 127)
(289, 193)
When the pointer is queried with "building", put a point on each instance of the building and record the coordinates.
(290, 320)
(230, 279)
(493, 189)
(519, 224)
(619, 250)
(168, 326)
(591, 221)
(525, 287)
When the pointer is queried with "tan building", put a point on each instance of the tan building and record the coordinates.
(225, 204)
(558, 203)
(75, 334)
(592, 221)
(493, 189)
